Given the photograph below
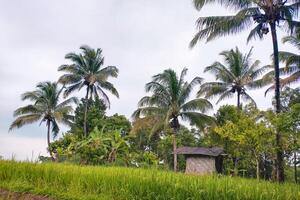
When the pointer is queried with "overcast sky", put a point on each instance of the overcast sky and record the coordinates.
(140, 37)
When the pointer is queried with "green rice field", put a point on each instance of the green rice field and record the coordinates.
(65, 181)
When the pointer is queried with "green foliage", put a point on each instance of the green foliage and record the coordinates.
(184, 137)
(46, 107)
(246, 139)
(227, 113)
(213, 27)
(91, 183)
(96, 117)
(237, 75)
(87, 70)
(289, 97)
(98, 148)
(170, 101)
(117, 122)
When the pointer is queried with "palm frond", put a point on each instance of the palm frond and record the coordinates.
(29, 109)
(218, 26)
(235, 4)
(109, 87)
(25, 119)
(255, 33)
(247, 97)
(225, 95)
(198, 119)
(202, 105)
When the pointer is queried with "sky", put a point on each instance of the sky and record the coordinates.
(140, 37)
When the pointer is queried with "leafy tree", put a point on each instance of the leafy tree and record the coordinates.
(46, 107)
(246, 136)
(94, 149)
(119, 146)
(235, 76)
(86, 71)
(95, 116)
(289, 98)
(264, 13)
(169, 102)
(117, 122)
(226, 113)
(146, 137)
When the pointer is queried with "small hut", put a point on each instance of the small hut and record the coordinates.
(200, 160)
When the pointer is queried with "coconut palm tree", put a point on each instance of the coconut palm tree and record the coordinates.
(236, 75)
(46, 107)
(170, 102)
(86, 71)
(265, 13)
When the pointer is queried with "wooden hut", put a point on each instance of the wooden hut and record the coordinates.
(200, 160)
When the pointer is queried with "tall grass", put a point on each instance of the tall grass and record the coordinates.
(74, 182)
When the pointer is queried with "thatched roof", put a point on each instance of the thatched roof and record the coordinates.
(214, 151)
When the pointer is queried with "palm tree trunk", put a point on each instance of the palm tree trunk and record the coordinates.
(295, 161)
(48, 138)
(174, 150)
(279, 151)
(85, 111)
(295, 167)
(239, 99)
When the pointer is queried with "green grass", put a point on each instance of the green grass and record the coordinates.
(75, 182)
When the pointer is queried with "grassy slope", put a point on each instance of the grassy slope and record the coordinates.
(75, 182)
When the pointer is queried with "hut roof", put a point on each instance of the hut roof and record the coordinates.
(214, 151)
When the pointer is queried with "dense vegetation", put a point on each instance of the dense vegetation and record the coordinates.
(75, 182)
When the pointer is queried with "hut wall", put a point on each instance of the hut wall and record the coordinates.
(200, 165)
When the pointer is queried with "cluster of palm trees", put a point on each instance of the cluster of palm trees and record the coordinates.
(85, 71)
(265, 14)
(170, 99)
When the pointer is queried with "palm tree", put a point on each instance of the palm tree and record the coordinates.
(170, 101)
(86, 71)
(45, 107)
(235, 76)
(266, 13)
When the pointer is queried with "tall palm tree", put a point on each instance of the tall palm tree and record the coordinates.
(86, 71)
(235, 76)
(46, 107)
(265, 13)
(170, 101)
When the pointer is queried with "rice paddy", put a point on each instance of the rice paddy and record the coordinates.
(65, 181)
